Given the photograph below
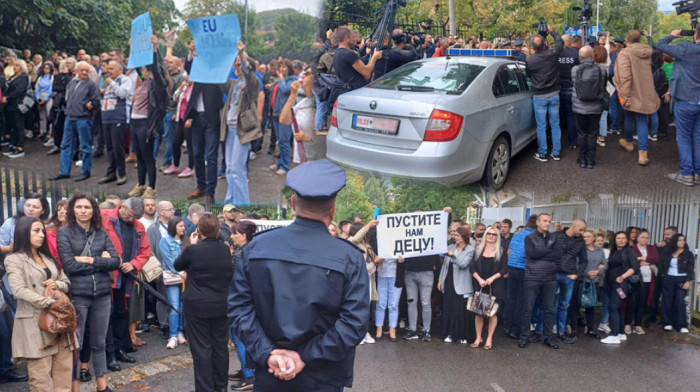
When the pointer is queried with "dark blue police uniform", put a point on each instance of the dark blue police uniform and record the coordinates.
(520, 56)
(298, 288)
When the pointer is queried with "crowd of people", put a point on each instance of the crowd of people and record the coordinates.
(541, 279)
(85, 107)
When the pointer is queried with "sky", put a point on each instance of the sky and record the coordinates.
(311, 7)
(666, 5)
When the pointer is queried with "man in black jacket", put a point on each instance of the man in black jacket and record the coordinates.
(541, 257)
(572, 249)
(543, 68)
(568, 58)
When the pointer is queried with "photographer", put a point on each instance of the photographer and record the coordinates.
(347, 64)
(685, 91)
(402, 52)
(543, 68)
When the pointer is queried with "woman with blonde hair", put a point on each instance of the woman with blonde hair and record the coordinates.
(12, 98)
(488, 268)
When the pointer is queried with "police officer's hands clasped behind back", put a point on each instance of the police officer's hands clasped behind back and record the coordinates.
(299, 299)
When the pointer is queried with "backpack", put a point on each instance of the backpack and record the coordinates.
(589, 90)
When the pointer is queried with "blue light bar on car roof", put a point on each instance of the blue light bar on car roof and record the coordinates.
(480, 52)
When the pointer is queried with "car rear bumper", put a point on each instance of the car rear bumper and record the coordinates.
(445, 163)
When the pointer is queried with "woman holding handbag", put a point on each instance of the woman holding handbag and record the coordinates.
(487, 270)
(595, 268)
(170, 249)
(455, 283)
(622, 264)
(32, 270)
(88, 257)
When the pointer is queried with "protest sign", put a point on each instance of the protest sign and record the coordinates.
(412, 234)
(215, 40)
(141, 52)
(262, 225)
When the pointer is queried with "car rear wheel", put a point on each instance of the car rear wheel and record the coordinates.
(498, 164)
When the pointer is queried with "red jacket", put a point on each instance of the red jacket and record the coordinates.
(141, 249)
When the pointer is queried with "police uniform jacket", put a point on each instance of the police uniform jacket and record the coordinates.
(299, 288)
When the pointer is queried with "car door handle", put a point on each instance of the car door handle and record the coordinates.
(510, 109)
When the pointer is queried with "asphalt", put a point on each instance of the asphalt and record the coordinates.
(656, 361)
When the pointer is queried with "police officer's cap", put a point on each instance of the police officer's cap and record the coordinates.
(592, 40)
(619, 41)
(518, 43)
(505, 44)
(316, 180)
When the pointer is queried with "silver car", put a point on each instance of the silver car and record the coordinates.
(453, 120)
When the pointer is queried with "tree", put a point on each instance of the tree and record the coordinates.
(294, 36)
(352, 201)
(411, 196)
(665, 23)
(377, 192)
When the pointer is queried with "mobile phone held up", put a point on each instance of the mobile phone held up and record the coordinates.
(621, 293)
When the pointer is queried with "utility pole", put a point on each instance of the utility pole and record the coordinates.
(453, 18)
(245, 24)
(597, 12)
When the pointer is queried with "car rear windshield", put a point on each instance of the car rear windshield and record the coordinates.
(447, 77)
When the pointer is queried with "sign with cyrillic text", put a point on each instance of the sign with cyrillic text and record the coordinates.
(263, 225)
(141, 51)
(215, 43)
(412, 234)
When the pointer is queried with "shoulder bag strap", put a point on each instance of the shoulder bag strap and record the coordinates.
(88, 245)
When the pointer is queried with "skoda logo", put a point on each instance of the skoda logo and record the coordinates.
(373, 105)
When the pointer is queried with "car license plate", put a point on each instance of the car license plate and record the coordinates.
(385, 126)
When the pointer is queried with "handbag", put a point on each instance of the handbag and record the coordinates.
(588, 295)
(329, 86)
(26, 103)
(171, 278)
(483, 304)
(152, 269)
(60, 317)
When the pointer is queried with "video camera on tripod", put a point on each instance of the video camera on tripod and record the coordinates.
(692, 8)
(542, 28)
(584, 16)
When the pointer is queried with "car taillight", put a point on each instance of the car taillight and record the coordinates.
(334, 115)
(443, 126)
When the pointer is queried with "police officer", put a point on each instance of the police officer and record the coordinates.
(518, 53)
(403, 52)
(299, 300)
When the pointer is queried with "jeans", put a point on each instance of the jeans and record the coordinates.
(614, 305)
(419, 283)
(81, 129)
(688, 136)
(516, 299)
(674, 301)
(547, 290)
(236, 171)
(615, 113)
(544, 106)
(566, 114)
(15, 122)
(5, 342)
(175, 319)
(562, 301)
(97, 309)
(639, 292)
(603, 124)
(182, 134)
(654, 121)
(388, 298)
(240, 351)
(640, 123)
(115, 138)
(168, 135)
(284, 138)
(205, 147)
(587, 128)
(322, 110)
(605, 316)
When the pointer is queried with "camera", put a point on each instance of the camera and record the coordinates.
(542, 28)
(691, 7)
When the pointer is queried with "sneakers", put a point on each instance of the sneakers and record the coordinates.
(48, 143)
(448, 339)
(653, 138)
(463, 341)
(639, 330)
(540, 157)
(410, 335)
(564, 338)
(79, 163)
(172, 343)
(181, 338)
(684, 330)
(615, 131)
(17, 154)
(9, 152)
(253, 155)
(604, 328)
(556, 157)
(368, 339)
(171, 170)
(622, 337)
(611, 340)
(601, 141)
(680, 178)
(245, 384)
(628, 329)
(426, 337)
(668, 328)
(137, 190)
(186, 173)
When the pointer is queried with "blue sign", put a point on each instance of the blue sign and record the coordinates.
(215, 40)
(141, 52)
(578, 30)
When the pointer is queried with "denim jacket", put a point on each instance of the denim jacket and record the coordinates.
(170, 249)
(685, 83)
